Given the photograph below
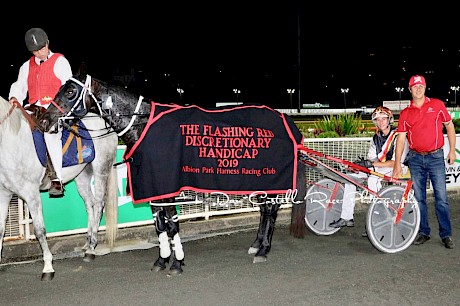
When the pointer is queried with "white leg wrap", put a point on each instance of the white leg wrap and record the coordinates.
(165, 250)
(48, 260)
(48, 268)
(177, 247)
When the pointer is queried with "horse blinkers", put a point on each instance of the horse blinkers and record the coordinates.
(68, 95)
(73, 98)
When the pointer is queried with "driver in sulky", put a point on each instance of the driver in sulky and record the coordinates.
(380, 158)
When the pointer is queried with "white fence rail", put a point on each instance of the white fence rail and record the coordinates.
(198, 205)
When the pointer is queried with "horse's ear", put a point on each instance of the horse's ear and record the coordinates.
(82, 70)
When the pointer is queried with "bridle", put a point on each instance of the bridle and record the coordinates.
(77, 102)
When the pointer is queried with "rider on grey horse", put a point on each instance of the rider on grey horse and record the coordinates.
(40, 78)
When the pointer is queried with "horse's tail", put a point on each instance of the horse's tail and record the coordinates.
(299, 206)
(111, 208)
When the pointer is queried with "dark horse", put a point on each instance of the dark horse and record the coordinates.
(133, 119)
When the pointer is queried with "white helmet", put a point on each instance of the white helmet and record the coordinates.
(382, 112)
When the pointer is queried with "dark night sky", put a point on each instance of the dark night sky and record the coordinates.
(209, 49)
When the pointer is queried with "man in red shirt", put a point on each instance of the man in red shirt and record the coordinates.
(422, 122)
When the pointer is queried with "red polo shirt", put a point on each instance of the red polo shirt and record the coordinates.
(424, 125)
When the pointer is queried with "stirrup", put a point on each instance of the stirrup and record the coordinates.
(56, 190)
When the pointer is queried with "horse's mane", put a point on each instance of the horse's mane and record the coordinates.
(100, 87)
(120, 96)
(9, 121)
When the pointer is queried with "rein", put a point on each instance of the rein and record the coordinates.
(133, 117)
(13, 106)
(108, 129)
(26, 115)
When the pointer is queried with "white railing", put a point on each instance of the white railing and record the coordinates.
(198, 205)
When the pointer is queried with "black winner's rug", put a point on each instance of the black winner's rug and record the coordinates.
(231, 150)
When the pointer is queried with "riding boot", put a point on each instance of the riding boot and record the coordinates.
(50, 169)
(56, 189)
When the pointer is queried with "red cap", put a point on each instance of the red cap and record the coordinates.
(417, 80)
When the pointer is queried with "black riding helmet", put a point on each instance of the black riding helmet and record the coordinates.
(36, 39)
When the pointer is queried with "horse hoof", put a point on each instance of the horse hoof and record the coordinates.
(252, 250)
(258, 259)
(157, 269)
(89, 257)
(47, 276)
(175, 272)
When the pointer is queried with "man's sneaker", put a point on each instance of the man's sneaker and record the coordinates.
(421, 239)
(56, 189)
(448, 243)
(342, 223)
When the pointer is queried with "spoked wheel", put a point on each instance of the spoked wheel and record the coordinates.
(383, 232)
(323, 206)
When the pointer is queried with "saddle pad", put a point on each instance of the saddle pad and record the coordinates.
(231, 150)
(40, 146)
(76, 150)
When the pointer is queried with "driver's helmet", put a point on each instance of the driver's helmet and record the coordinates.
(36, 39)
(382, 112)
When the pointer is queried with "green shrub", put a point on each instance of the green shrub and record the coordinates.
(456, 123)
(343, 125)
(328, 134)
